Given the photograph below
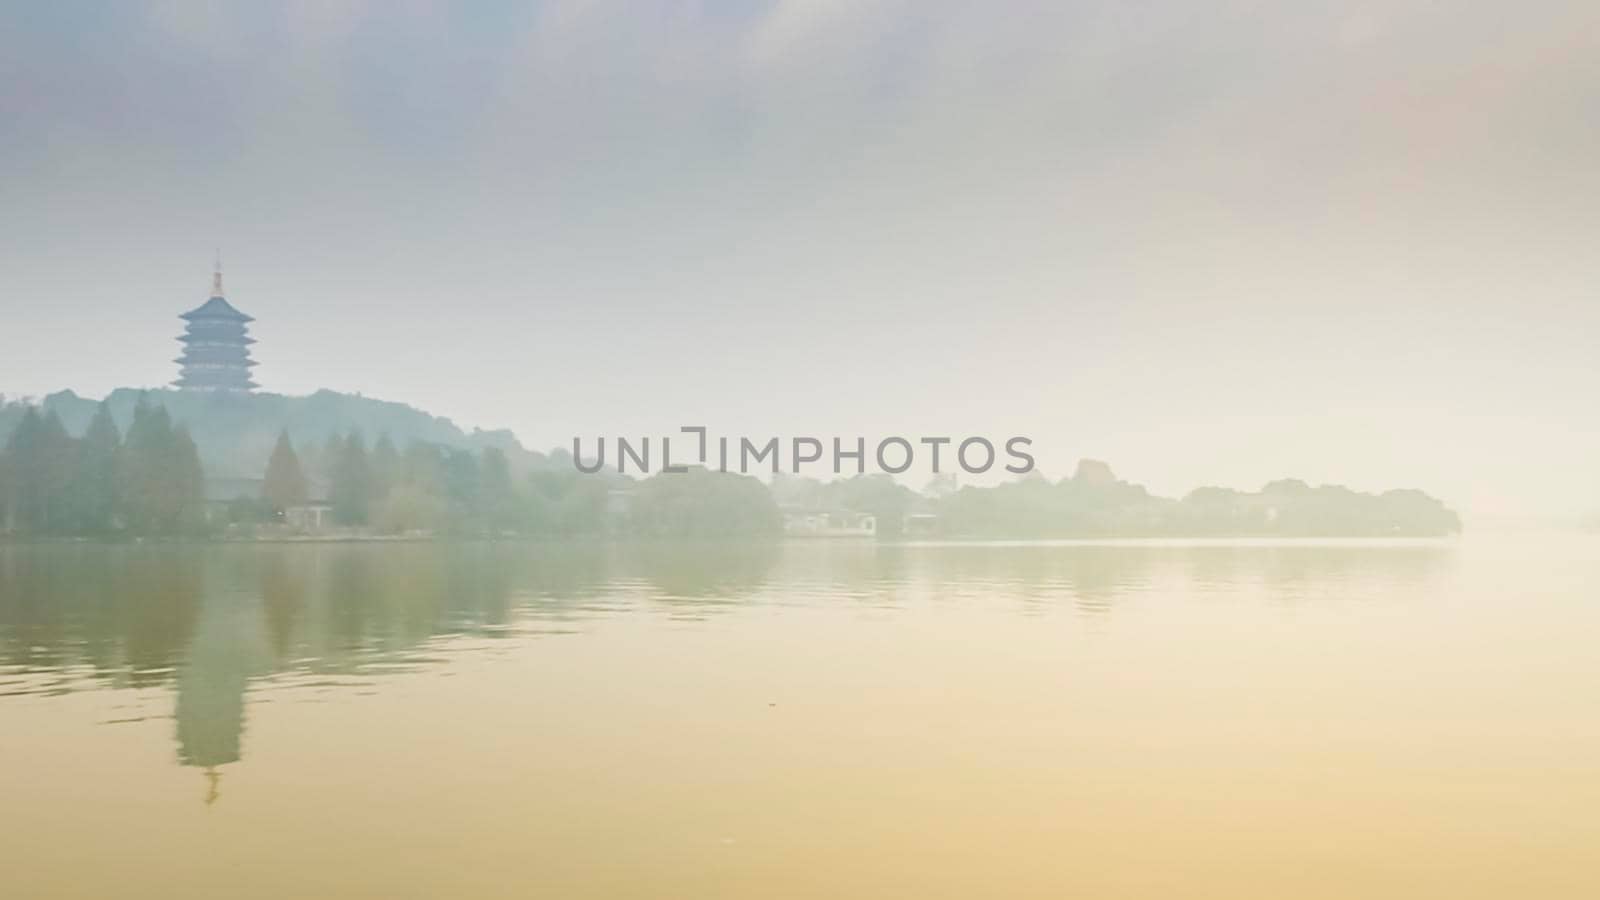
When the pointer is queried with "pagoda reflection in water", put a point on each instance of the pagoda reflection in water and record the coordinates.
(224, 625)
(226, 651)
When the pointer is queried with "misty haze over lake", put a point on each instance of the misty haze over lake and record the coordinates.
(312, 313)
(811, 718)
(1214, 244)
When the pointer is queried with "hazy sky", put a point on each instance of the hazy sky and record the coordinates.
(1209, 242)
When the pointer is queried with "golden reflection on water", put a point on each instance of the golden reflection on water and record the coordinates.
(1348, 719)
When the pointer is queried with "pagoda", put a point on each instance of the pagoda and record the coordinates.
(216, 349)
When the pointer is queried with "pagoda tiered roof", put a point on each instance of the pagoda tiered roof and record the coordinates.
(201, 337)
(220, 359)
(216, 351)
(216, 308)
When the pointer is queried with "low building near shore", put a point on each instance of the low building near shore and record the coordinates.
(238, 502)
(836, 523)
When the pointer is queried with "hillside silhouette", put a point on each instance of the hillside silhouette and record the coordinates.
(158, 462)
(235, 432)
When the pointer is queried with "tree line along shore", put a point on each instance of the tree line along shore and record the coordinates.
(151, 478)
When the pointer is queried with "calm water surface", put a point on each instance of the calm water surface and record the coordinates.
(803, 720)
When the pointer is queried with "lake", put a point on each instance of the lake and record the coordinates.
(823, 719)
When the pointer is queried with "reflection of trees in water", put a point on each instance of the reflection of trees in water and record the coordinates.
(124, 611)
(1089, 576)
(1036, 574)
(859, 569)
(700, 575)
(562, 581)
(161, 599)
(214, 619)
(1093, 576)
(338, 607)
(283, 601)
(127, 613)
(1294, 569)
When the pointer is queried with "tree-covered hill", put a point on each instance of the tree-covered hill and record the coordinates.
(1095, 503)
(235, 433)
(392, 468)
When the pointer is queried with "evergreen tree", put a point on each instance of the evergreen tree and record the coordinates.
(139, 466)
(186, 481)
(285, 484)
(566, 503)
(701, 503)
(326, 459)
(423, 468)
(161, 486)
(94, 479)
(55, 471)
(352, 483)
(500, 506)
(461, 485)
(386, 468)
(39, 464)
(11, 475)
(311, 464)
(7, 482)
(415, 499)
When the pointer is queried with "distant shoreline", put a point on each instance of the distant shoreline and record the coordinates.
(1239, 540)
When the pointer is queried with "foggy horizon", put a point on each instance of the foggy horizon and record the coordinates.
(1256, 342)
(1349, 243)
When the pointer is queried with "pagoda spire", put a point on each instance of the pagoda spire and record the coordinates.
(216, 276)
(213, 785)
